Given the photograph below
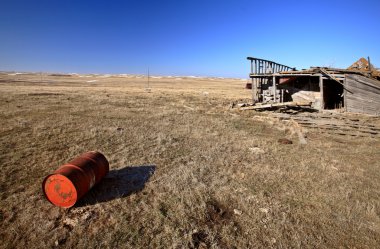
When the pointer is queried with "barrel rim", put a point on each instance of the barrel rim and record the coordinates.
(59, 204)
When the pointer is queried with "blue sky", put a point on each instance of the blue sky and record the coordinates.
(203, 38)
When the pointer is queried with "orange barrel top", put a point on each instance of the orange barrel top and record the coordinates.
(74, 179)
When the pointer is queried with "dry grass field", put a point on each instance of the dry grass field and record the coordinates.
(186, 170)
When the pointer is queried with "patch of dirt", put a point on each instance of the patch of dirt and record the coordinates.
(285, 141)
(199, 240)
(217, 214)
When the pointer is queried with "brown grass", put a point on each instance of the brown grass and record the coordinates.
(221, 178)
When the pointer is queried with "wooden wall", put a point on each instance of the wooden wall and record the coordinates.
(362, 95)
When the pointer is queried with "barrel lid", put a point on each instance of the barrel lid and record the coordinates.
(59, 190)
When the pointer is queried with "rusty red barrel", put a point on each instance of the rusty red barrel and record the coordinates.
(74, 179)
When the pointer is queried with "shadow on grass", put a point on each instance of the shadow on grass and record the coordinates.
(118, 183)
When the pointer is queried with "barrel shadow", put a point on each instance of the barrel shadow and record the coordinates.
(118, 183)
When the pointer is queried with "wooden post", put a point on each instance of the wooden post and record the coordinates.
(274, 89)
(265, 67)
(369, 64)
(254, 90)
(321, 91)
(345, 94)
(369, 67)
(282, 95)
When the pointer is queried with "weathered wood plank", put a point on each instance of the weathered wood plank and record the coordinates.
(350, 84)
(362, 95)
(274, 105)
(364, 80)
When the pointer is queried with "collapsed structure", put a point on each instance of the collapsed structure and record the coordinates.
(356, 89)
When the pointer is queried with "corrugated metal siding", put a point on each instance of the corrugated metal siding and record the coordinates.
(362, 95)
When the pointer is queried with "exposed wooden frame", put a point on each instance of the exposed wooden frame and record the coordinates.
(321, 92)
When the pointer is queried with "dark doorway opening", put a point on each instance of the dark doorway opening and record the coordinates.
(332, 95)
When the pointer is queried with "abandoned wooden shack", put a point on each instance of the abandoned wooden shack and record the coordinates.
(350, 90)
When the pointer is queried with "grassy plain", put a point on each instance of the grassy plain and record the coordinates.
(186, 170)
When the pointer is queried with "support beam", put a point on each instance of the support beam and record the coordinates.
(255, 96)
(345, 95)
(321, 91)
(274, 89)
(331, 76)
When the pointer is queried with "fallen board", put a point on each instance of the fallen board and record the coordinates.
(276, 105)
(334, 124)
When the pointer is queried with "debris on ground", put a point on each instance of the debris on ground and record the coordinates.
(238, 212)
(264, 210)
(285, 141)
(332, 123)
(256, 150)
(273, 106)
